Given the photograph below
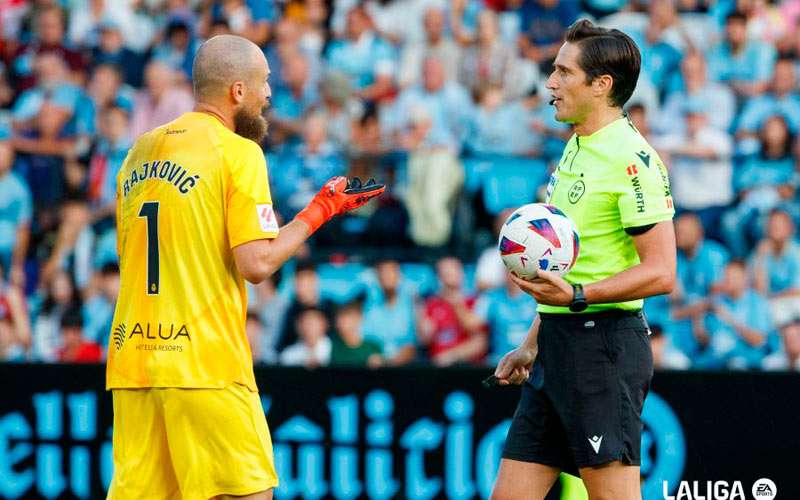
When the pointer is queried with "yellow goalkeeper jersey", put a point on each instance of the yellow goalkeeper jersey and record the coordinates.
(188, 193)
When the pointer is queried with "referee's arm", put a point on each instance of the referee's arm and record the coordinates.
(654, 275)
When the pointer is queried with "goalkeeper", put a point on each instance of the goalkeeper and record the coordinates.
(194, 220)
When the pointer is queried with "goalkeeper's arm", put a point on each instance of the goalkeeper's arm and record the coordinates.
(258, 259)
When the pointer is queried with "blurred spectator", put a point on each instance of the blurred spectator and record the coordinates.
(494, 123)
(350, 348)
(178, 48)
(339, 107)
(389, 316)
(292, 99)
(543, 23)
(508, 312)
(106, 160)
(788, 356)
(776, 268)
(161, 101)
(700, 263)
(367, 59)
(739, 322)
(773, 165)
(52, 86)
(314, 346)
(306, 295)
(15, 322)
(744, 64)
(42, 152)
(489, 60)
(490, 272)
(431, 122)
(436, 45)
(665, 356)
(75, 348)
(111, 50)
(781, 99)
(15, 218)
(49, 38)
(306, 167)
(449, 327)
(255, 334)
(88, 17)
(251, 19)
(99, 304)
(106, 88)
(697, 86)
(270, 308)
(59, 297)
(660, 42)
(700, 165)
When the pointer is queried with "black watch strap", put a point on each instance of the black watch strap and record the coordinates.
(579, 303)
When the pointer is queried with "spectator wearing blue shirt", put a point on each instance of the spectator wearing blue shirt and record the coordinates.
(744, 64)
(773, 165)
(98, 307)
(739, 322)
(494, 124)
(252, 19)
(776, 268)
(508, 312)
(781, 99)
(106, 160)
(178, 48)
(659, 43)
(696, 85)
(111, 50)
(787, 357)
(367, 59)
(389, 315)
(542, 27)
(307, 166)
(700, 264)
(292, 99)
(15, 217)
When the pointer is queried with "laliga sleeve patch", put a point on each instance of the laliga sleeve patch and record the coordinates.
(266, 218)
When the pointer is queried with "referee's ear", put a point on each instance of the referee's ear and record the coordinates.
(602, 85)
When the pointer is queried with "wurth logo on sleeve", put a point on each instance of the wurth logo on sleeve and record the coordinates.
(266, 218)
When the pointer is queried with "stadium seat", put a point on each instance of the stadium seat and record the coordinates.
(341, 283)
(511, 182)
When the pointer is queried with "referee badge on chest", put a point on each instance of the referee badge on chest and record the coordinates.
(576, 191)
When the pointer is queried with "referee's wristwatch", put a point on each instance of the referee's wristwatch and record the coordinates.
(579, 303)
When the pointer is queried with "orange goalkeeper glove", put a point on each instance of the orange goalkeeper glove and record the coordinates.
(336, 197)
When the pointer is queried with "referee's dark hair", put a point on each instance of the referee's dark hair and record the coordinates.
(607, 52)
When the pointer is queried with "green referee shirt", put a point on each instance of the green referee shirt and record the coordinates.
(607, 182)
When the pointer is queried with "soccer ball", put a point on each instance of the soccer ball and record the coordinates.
(538, 236)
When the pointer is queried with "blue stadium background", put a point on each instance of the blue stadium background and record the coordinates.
(444, 101)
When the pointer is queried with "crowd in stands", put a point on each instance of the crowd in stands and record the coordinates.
(443, 100)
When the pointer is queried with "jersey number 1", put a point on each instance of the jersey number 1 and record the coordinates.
(149, 210)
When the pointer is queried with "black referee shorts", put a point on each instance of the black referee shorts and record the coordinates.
(582, 404)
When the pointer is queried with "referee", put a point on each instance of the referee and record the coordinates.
(588, 349)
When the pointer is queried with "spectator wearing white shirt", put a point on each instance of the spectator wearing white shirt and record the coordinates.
(314, 347)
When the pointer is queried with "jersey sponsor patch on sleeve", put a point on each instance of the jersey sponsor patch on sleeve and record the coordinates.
(266, 217)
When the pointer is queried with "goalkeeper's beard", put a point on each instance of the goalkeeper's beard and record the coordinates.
(250, 126)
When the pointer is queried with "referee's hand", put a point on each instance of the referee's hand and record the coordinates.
(515, 367)
(547, 288)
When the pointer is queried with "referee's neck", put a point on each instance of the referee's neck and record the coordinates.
(597, 119)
